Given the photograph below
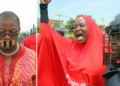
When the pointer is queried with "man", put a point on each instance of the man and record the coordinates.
(113, 58)
(61, 31)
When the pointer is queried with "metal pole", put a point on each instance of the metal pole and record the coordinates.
(59, 19)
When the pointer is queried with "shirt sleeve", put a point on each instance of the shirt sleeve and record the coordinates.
(50, 52)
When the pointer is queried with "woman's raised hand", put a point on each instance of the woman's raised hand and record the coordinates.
(45, 1)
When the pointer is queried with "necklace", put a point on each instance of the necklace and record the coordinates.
(11, 53)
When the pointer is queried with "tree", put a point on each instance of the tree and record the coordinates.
(57, 25)
(70, 25)
(102, 27)
(23, 35)
(38, 29)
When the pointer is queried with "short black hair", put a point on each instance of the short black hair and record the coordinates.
(10, 15)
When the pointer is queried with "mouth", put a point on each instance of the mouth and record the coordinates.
(79, 36)
(113, 50)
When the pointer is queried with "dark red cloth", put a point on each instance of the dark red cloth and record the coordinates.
(30, 42)
(63, 62)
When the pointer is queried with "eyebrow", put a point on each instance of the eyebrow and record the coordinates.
(1, 29)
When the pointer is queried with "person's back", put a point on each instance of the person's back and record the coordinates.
(30, 42)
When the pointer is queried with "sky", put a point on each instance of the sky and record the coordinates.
(103, 11)
(25, 9)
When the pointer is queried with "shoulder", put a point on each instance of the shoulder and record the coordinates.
(29, 52)
(30, 37)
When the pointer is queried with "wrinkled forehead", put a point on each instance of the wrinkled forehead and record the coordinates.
(8, 21)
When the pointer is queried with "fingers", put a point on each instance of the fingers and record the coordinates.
(45, 1)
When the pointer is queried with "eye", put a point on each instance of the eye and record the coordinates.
(13, 31)
(75, 27)
(2, 31)
(82, 25)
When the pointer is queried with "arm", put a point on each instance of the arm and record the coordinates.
(44, 11)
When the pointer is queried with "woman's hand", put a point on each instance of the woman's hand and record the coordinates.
(45, 1)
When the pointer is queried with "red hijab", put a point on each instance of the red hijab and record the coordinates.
(64, 62)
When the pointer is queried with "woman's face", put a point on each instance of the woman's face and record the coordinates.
(80, 31)
(10, 27)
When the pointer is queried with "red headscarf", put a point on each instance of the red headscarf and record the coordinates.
(63, 62)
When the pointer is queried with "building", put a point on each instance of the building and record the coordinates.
(53, 22)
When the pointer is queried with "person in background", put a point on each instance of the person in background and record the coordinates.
(112, 61)
(30, 42)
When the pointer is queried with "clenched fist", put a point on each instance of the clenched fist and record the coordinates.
(45, 1)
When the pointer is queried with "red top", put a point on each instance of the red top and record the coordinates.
(65, 62)
(30, 42)
(22, 71)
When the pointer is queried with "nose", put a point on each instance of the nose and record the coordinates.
(7, 37)
(78, 28)
(113, 42)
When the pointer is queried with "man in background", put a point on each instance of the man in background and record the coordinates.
(30, 42)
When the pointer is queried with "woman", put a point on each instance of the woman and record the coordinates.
(17, 63)
(64, 62)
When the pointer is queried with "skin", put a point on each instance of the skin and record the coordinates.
(80, 27)
(8, 26)
(115, 46)
(45, 1)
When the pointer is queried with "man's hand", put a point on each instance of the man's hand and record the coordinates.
(45, 1)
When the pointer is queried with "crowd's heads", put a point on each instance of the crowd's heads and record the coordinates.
(61, 31)
(80, 30)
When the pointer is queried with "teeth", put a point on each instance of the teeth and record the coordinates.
(79, 35)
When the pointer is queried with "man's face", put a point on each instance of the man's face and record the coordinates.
(115, 45)
(10, 27)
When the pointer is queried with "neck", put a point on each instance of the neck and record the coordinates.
(11, 50)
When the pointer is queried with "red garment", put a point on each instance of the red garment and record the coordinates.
(7, 74)
(63, 62)
(22, 71)
(30, 42)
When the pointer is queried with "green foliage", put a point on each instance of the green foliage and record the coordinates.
(70, 25)
(23, 35)
(38, 29)
(57, 25)
(102, 27)
(69, 34)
